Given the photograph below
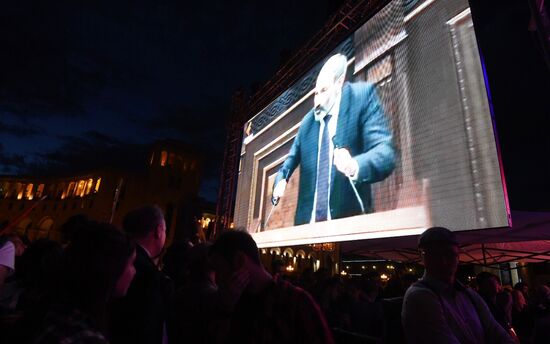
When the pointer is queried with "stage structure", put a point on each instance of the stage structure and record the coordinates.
(379, 128)
(342, 23)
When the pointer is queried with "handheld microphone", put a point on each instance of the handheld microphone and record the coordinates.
(359, 200)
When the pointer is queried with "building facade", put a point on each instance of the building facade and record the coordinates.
(37, 207)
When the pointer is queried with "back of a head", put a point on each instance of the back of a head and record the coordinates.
(92, 264)
(73, 226)
(483, 277)
(140, 222)
(231, 242)
(277, 265)
(370, 286)
(520, 285)
(199, 266)
(176, 261)
(541, 296)
(435, 236)
(40, 262)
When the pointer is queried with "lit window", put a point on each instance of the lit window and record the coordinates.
(19, 190)
(89, 186)
(97, 184)
(39, 190)
(81, 188)
(5, 190)
(62, 191)
(70, 189)
(28, 191)
(163, 157)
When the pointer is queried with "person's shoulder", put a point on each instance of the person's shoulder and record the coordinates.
(360, 87)
(306, 125)
(308, 119)
(284, 288)
(7, 255)
(296, 296)
(7, 247)
(419, 290)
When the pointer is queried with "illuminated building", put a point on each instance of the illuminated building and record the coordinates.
(296, 259)
(40, 206)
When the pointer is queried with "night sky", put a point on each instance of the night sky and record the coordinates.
(83, 81)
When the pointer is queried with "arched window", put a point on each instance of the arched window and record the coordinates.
(288, 252)
(61, 191)
(81, 188)
(89, 185)
(39, 190)
(70, 189)
(20, 188)
(163, 158)
(275, 250)
(97, 184)
(5, 190)
(44, 227)
(28, 191)
(23, 226)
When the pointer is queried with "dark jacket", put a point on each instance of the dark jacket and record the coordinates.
(363, 130)
(141, 315)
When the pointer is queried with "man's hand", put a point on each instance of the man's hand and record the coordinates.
(345, 163)
(278, 191)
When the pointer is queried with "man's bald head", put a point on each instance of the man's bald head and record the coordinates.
(329, 84)
(335, 67)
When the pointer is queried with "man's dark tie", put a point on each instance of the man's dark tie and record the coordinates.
(322, 201)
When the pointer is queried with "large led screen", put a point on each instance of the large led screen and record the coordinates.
(391, 133)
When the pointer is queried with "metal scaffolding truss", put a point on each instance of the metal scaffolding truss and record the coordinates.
(346, 20)
(230, 164)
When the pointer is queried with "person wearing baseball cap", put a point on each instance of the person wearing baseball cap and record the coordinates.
(440, 309)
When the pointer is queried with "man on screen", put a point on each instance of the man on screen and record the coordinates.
(343, 146)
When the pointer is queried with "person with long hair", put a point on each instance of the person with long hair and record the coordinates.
(96, 267)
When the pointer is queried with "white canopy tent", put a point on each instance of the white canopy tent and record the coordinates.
(528, 240)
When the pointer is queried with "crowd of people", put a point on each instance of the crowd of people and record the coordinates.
(103, 284)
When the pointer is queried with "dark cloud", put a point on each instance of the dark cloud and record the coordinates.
(18, 130)
(11, 163)
(46, 65)
(138, 70)
(89, 152)
(203, 126)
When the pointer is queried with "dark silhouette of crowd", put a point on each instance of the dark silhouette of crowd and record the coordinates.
(103, 284)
